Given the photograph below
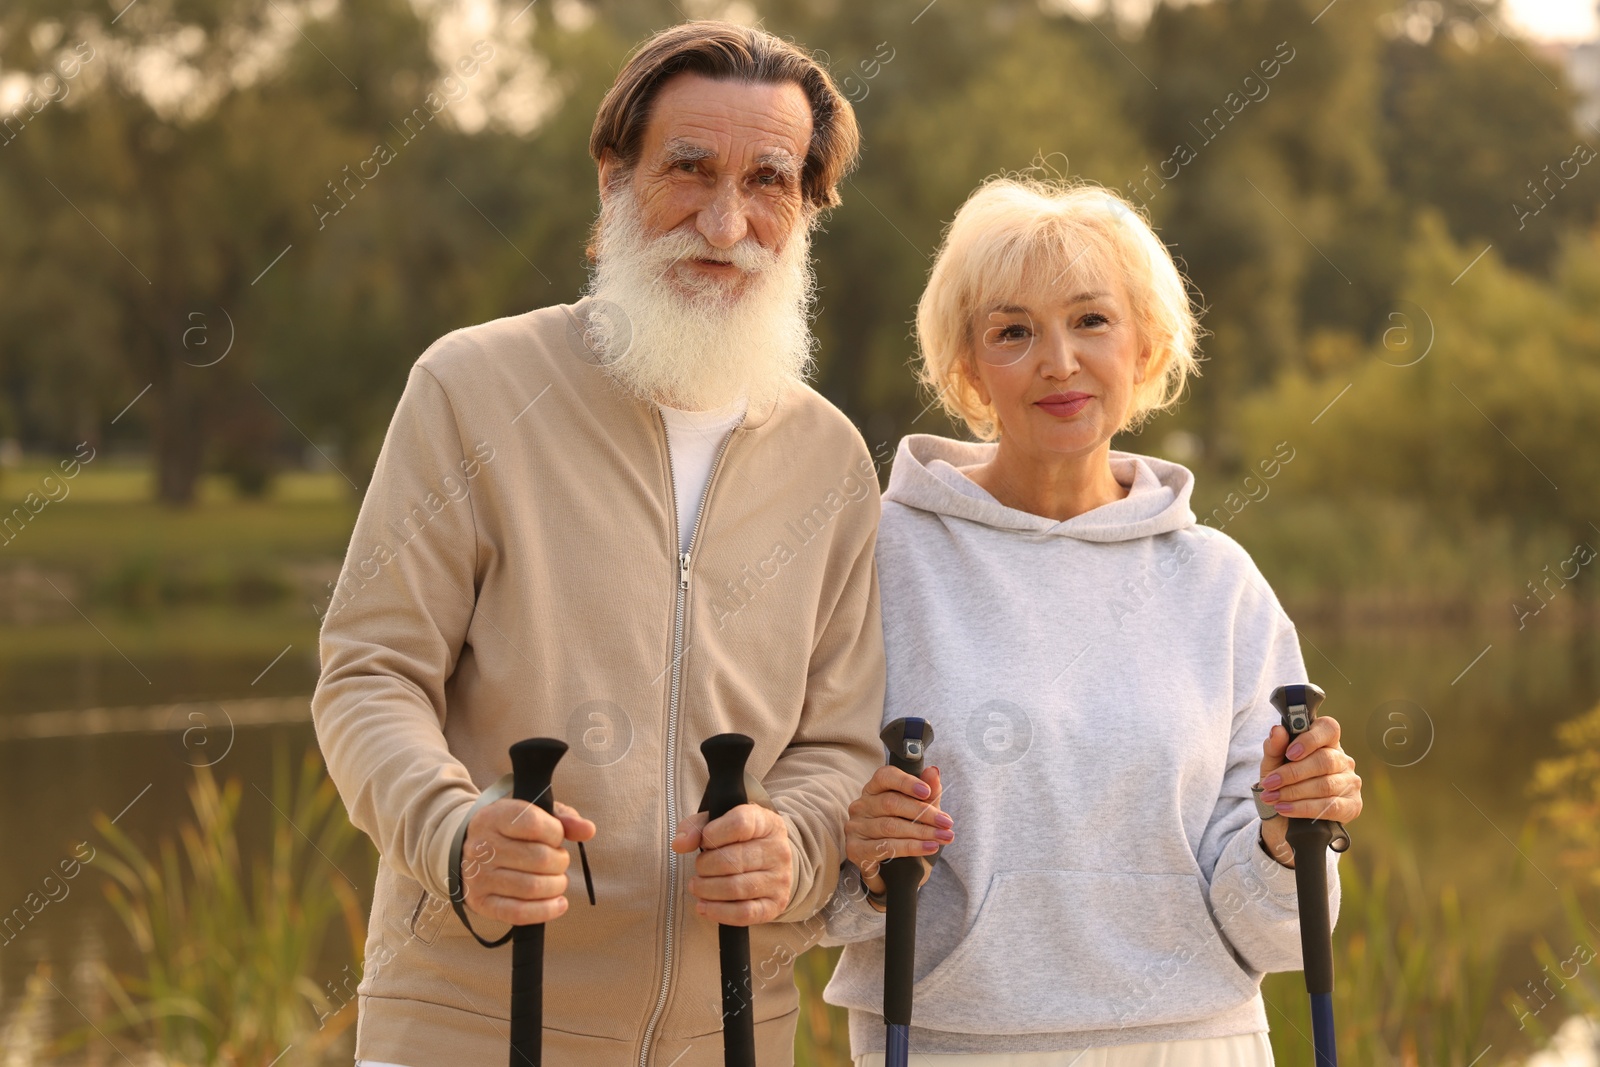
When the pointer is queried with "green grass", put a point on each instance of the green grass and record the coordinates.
(105, 545)
(1354, 558)
(108, 514)
(236, 948)
(73, 534)
(1413, 979)
(199, 600)
(189, 632)
(108, 480)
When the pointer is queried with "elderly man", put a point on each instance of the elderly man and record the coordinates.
(626, 523)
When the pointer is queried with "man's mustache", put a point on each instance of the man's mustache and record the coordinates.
(675, 246)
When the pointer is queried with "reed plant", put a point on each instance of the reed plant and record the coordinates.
(230, 945)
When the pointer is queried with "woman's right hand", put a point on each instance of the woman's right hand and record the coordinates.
(895, 815)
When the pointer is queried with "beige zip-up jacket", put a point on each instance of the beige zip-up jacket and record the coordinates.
(514, 572)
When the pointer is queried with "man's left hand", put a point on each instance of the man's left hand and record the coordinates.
(744, 873)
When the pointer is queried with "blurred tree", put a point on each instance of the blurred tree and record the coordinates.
(191, 194)
(1482, 128)
(405, 246)
(1284, 150)
(1475, 399)
(241, 206)
(1267, 182)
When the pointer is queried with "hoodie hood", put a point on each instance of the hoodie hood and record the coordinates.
(925, 476)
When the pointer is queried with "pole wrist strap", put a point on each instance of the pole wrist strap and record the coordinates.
(1341, 836)
(458, 893)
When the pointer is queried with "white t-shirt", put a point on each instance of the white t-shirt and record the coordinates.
(693, 438)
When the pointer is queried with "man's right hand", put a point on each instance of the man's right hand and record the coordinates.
(514, 863)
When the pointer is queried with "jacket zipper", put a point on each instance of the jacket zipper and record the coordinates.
(679, 607)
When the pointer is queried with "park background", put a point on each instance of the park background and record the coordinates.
(1388, 209)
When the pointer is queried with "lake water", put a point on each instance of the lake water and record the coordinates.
(1455, 718)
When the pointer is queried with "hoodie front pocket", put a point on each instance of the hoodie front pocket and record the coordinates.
(1083, 950)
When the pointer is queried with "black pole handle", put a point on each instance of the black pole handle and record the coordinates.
(725, 756)
(907, 740)
(533, 764)
(1309, 838)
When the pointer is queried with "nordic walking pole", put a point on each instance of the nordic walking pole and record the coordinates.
(1310, 839)
(725, 758)
(907, 740)
(533, 763)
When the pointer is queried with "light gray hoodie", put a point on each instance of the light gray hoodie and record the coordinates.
(1098, 690)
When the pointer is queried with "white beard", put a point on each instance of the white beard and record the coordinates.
(693, 343)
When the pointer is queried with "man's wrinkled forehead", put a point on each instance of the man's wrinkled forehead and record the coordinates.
(748, 124)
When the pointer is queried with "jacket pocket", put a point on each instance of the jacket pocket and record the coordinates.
(1083, 950)
(428, 916)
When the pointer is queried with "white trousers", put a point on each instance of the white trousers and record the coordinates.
(1240, 1050)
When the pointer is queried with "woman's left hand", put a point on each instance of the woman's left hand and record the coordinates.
(1314, 779)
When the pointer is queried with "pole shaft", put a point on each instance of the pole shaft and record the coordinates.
(898, 1050)
(533, 763)
(900, 937)
(1309, 838)
(1322, 1030)
(527, 996)
(738, 1004)
(725, 756)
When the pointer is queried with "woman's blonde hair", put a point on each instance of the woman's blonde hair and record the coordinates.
(1013, 231)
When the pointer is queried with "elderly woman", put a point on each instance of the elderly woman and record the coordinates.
(1097, 669)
